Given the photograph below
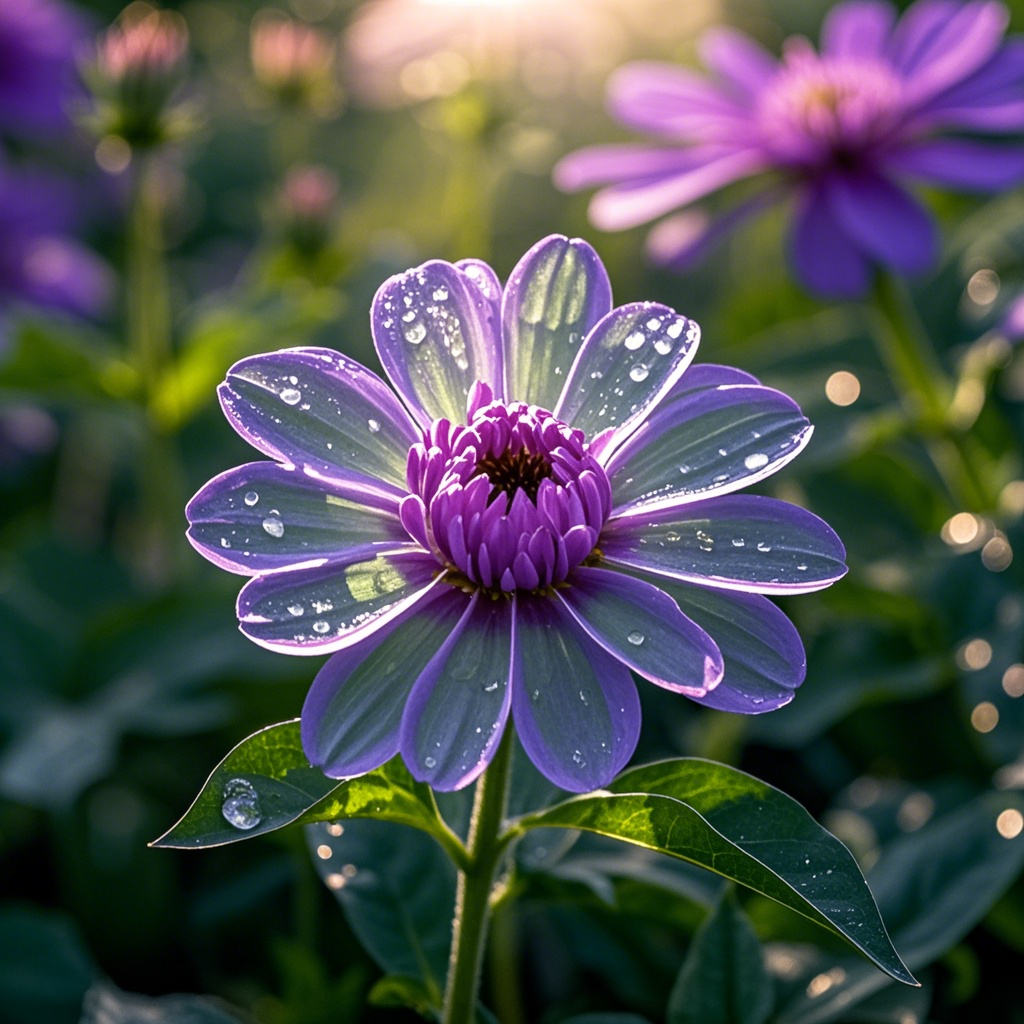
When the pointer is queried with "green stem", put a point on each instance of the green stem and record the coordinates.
(476, 881)
(926, 394)
(504, 975)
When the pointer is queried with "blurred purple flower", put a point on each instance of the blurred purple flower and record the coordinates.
(1012, 320)
(40, 262)
(40, 41)
(470, 555)
(842, 131)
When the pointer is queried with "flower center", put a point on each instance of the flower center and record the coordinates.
(511, 500)
(828, 110)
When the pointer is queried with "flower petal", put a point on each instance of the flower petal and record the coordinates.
(626, 365)
(705, 443)
(486, 281)
(643, 627)
(885, 221)
(558, 291)
(458, 707)
(962, 164)
(320, 410)
(763, 654)
(738, 542)
(624, 162)
(857, 28)
(433, 330)
(264, 516)
(576, 709)
(328, 607)
(824, 257)
(352, 713)
(637, 202)
(739, 61)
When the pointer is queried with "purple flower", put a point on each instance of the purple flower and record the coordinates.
(40, 41)
(843, 131)
(40, 262)
(546, 504)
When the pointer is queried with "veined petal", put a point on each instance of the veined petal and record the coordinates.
(263, 516)
(857, 28)
(557, 292)
(328, 607)
(738, 542)
(575, 706)
(762, 651)
(962, 164)
(707, 375)
(433, 330)
(626, 365)
(458, 707)
(643, 627)
(482, 276)
(320, 410)
(823, 255)
(705, 443)
(353, 711)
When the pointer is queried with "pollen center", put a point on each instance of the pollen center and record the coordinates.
(510, 500)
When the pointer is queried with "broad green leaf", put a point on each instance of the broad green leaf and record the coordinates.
(933, 886)
(394, 991)
(266, 783)
(723, 980)
(397, 889)
(742, 829)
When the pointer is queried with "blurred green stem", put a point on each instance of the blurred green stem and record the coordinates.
(926, 393)
(476, 882)
(508, 1000)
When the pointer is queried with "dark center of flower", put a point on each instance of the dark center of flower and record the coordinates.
(511, 500)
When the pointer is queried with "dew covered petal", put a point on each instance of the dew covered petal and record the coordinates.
(318, 409)
(737, 542)
(263, 516)
(328, 607)
(353, 711)
(433, 330)
(627, 363)
(703, 443)
(456, 712)
(763, 655)
(576, 709)
(557, 292)
(642, 627)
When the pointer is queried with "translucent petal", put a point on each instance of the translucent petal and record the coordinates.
(433, 332)
(575, 706)
(264, 516)
(705, 443)
(353, 710)
(319, 409)
(328, 607)
(737, 542)
(458, 707)
(630, 360)
(558, 291)
(642, 627)
(764, 656)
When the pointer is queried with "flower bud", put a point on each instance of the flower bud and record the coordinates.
(294, 62)
(308, 204)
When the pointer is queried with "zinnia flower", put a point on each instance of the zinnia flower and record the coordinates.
(843, 131)
(545, 504)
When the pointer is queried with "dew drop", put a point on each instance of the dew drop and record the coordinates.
(373, 425)
(765, 548)
(596, 375)
(491, 687)
(293, 380)
(584, 698)
(241, 805)
(674, 330)
(578, 759)
(535, 696)
(291, 396)
(321, 626)
(756, 461)
(409, 316)
(415, 334)
(663, 346)
(801, 567)
(440, 294)
(224, 542)
(636, 638)
(635, 340)
(638, 373)
(738, 542)
(251, 497)
(430, 762)
(273, 526)
(672, 536)
(295, 609)
(705, 541)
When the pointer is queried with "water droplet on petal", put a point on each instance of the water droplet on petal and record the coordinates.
(273, 526)
(756, 461)
(535, 696)
(764, 547)
(674, 330)
(241, 805)
(251, 497)
(638, 373)
(738, 542)
(295, 609)
(578, 759)
(584, 698)
(440, 294)
(663, 346)
(635, 340)
(430, 762)
(415, 334)
(636, 638)
(373, 425)
(409, 316)
(491, 686)
(672, 536)
(224, 542)
(291, 396)
(321, 627)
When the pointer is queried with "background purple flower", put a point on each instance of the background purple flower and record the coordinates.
(466, 554)
(843, 130)
(41, 41)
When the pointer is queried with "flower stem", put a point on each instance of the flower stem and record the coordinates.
(476, 881)
(926, 394)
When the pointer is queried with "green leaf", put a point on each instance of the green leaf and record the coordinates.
(397, 992)
(743, 829)
(105, 1004)
(397, 889)
(270, 784)
(723, 980)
